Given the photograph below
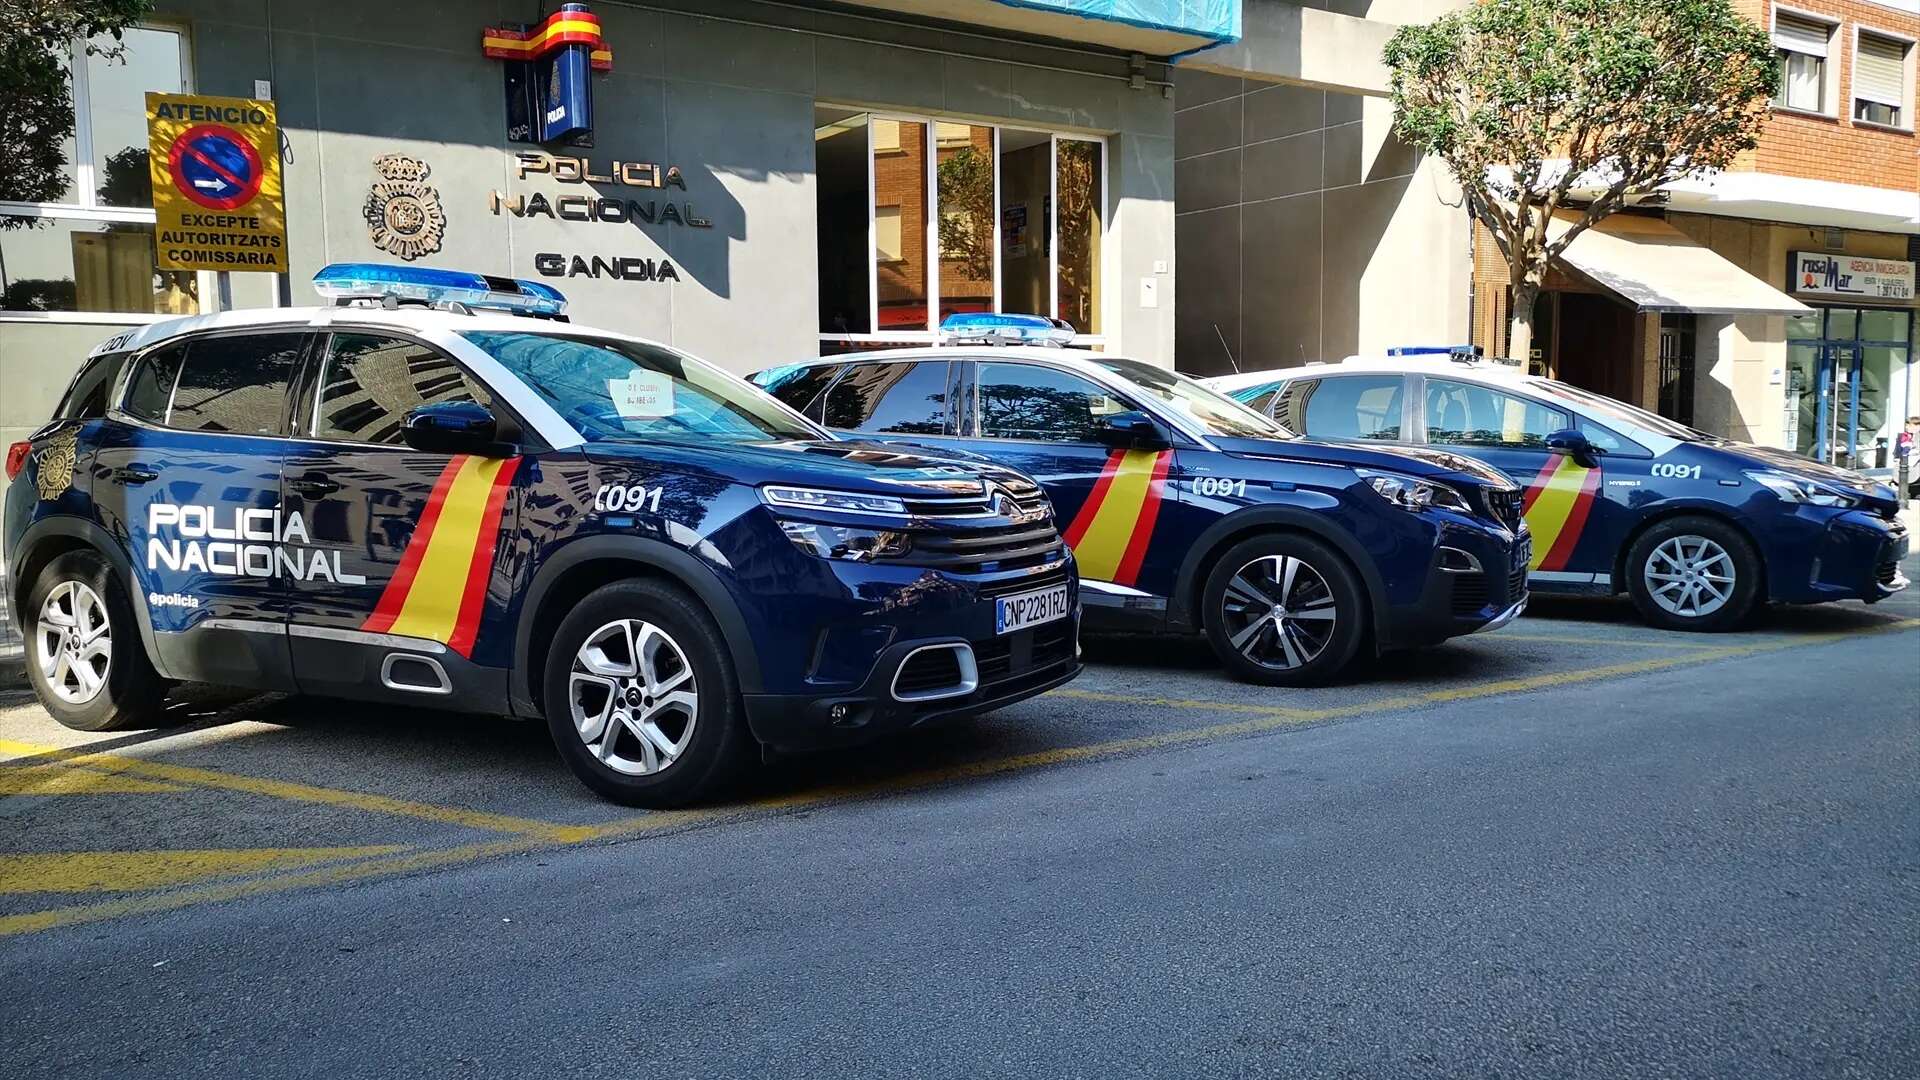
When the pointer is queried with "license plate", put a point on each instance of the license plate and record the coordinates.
(1523, 553)
(1026, 609)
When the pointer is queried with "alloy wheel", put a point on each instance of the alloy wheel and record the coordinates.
(1278, 612)
(73, 642)
(633, 697)
(1690, 576)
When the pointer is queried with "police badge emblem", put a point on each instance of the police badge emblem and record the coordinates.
(56, 460)
(403, 212)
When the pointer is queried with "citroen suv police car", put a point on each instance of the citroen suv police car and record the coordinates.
(1188, 511)
(1697, 530)
(428, 494)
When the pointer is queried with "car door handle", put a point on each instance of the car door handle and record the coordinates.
(134, 474)
(314, 486)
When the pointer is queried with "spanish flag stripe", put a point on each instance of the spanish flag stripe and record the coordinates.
(467, 625)
(433, 601)
(1143, 528)
(1103, 544)
(1539, 482)
(1569, 537)
(1550, 506)
(395, 594)
(1091, 508)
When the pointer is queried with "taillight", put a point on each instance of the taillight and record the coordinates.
(17, 458)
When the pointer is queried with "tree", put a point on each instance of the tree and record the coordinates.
(1536, 104)
(36, 88)
(966, 211)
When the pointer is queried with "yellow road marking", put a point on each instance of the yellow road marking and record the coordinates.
(122, 871)
(1269, 720)
(282, 789)
(60, 780)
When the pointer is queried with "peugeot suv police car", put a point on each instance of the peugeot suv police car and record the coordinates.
(446, 504)
(1186, 510)
(1697, 530)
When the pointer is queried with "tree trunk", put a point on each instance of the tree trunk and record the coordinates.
(1520, 330)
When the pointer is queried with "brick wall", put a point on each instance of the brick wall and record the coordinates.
(1836, 148)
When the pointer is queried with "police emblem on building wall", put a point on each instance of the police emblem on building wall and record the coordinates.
(55, 473)
(403, 211)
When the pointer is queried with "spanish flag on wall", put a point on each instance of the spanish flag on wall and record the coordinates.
(573, 24)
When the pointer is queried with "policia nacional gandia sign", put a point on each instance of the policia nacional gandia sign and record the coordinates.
(218, 203)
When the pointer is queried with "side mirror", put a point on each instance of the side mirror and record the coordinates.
(453, 427)
(1576, 446)
(1130, 431)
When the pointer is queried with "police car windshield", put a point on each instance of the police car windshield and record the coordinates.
(1621, 412)
(624, 391)
(1219, 414)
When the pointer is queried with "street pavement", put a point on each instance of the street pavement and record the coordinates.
(1574, 848)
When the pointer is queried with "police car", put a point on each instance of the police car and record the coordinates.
(1697, 530)
(435, 492)
(1189, 512)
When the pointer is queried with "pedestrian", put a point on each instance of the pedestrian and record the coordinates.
(1905, 446)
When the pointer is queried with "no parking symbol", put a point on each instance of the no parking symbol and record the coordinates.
(217, 197)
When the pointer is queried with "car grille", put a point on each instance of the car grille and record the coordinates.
(928, 671)
(1504, 506)
(1023, 653)
(1887, 571)
(973, 551)
(1470, 593)
(1026, 584)
(1516, 585)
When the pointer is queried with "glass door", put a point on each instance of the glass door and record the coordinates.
(1837, 428)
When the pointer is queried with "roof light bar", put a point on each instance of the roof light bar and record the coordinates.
(1469, 352)
(344, 282)
(1005, 329)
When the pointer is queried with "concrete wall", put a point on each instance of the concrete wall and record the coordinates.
(1306, 231)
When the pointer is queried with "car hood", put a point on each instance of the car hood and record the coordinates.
(1422, 461)
(1749, 456)
(848, 465)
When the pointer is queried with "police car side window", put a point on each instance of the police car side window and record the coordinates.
(1346, 407)
(235, 383)
(87, 397)
(150, 386)
(1263, 402)
(1468, 414)
(1039, 404)
(371, 381)
(799, 386)
(906, 399)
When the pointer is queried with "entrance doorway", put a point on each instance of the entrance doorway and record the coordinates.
(1846, 383)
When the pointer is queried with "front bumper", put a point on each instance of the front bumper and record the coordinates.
(1483, 593)
(1856, 556)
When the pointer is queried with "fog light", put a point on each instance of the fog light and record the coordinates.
(838, 712)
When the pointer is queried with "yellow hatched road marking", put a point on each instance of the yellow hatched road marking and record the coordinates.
(123, 871)
(1265, 720)
(61, 780)
(294, 792)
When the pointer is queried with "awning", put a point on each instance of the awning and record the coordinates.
(1656, 267)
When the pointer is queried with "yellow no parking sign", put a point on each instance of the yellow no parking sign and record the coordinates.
(218, 203)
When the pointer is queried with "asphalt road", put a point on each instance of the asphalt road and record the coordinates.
(1574, 848)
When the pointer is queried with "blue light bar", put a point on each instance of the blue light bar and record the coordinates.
(986, 326)
(1434, 350)
(426, 285)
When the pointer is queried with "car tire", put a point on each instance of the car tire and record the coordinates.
(85, 656)
(1678, 570)
(642, 700)
(1315, 617)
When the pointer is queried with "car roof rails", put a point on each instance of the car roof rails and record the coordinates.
(458, 291)
(982, 327)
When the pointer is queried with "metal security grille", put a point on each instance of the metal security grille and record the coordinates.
(1676, 368)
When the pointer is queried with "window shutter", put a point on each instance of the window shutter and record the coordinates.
(1795, 34)
(1880, 71)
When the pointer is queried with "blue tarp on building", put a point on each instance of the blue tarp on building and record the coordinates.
(1218, 20)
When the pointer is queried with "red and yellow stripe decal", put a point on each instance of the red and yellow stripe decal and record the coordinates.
(441, 584)
(1556, 508)
(1110, 533)
(561, 28)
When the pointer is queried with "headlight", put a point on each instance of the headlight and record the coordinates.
(839, 542)
(1410, 493)
(848, 502)
(1801, 489)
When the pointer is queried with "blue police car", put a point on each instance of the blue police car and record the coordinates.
(431, 494)
(1697, 530)
(1188, 511)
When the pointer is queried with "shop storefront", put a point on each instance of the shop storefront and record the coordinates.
(1849, 366)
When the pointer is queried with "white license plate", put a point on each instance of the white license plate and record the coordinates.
(1012, 613)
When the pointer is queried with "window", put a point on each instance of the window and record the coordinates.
(1351, 407)
(906, 399)
(235, 383)
(1880, 80)
(1802, 45)
(798, 384)
(87, 397)
(1038, 404)
(921, 218)
(1262, 402)
(1468, 414)
(372, 382)
(83, 242)
(151, 385)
